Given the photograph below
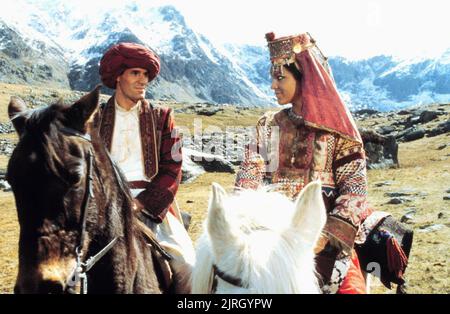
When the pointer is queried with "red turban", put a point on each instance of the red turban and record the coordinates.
(123, 56)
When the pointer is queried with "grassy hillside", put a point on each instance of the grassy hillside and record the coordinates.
(424, 172)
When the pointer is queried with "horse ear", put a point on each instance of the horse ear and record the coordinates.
(16, 110)
(217, 224)
(80, 113)
(310, 213)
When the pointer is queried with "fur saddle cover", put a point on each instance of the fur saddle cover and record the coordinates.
(385, 251)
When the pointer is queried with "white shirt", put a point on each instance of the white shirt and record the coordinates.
(126, 147)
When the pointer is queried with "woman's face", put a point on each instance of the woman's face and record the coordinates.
(284, 86)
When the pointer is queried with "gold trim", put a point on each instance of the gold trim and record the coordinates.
(283, 50)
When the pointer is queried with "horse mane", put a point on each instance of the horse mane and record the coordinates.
(45, 124)
(123, 191)
(268, 255)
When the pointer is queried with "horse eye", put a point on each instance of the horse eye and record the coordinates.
(75, 172)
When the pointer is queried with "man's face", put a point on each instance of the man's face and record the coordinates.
(132, 83)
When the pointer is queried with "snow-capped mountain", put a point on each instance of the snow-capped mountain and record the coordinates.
(192, 68)
(381, 82)
(385, 83)
(26, 55)
(55, 42)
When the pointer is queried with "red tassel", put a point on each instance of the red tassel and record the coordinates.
(270, 36)
(396, 258)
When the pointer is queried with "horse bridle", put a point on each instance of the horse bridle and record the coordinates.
(227, 278)
(79, 272)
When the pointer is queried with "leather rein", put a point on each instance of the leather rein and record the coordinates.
(79, 272)
(227, 278)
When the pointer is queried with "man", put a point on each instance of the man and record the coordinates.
(140, 138)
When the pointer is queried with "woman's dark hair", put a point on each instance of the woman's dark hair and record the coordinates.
(291, 67)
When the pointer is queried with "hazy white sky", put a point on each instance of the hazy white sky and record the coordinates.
(350, 28)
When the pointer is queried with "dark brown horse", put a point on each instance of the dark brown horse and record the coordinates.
(72, 203)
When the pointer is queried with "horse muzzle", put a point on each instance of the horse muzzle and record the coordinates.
(53, 276)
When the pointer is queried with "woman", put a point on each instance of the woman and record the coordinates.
(315, 138)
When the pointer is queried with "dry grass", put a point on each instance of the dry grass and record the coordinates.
(8, 242)
(230, 117)
(193, 197)
(424, 168)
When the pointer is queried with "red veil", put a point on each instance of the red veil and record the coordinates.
(322, 107)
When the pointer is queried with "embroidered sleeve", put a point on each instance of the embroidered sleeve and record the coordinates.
(349, 167)
(252, 169)
(160, 193)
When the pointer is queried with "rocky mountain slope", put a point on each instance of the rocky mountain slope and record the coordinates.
(71, 43)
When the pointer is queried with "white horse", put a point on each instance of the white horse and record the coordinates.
(259, 242)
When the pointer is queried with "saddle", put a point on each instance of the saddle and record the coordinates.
(386, 251)
(173, 274)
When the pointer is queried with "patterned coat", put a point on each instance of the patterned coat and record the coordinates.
(306, 153)
(162, 171)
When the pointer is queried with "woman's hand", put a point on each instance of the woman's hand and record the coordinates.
(321, 244)
(137, 205)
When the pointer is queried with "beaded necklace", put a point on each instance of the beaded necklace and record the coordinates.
(297, 121)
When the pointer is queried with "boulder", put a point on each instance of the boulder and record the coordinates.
(384, 183)
(381, 151)
(411, 121)
(365, 112)
(414, 135)
(386, 129)
(190, 170)
(208, 111)
(399, 200)
(6, 128)
(6, 147)
(5, 186)
(427, 116)
(411, 134)
(431, 228)
(407, 218)
(209, 162)
(202, 109)
(229, 145)
(442, 128)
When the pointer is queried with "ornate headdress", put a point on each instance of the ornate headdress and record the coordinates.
(322, 107)
(284, 49)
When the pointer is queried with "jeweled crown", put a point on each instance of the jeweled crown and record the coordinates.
(282, 50)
